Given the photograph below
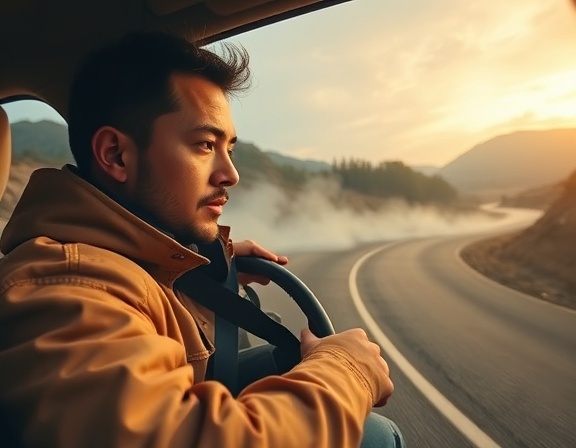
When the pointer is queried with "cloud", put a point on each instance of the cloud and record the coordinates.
(376, 80)
(329, 97)
(420, 80)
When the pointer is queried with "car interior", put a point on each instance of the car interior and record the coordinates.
(43, 56)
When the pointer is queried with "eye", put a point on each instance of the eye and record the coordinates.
(231, 152)
(206, 146)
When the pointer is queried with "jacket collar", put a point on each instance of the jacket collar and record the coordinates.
(62, 206)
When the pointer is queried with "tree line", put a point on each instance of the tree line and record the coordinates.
(393, 179)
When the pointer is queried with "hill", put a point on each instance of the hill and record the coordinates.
(428, 170)
(311, 166)
(541, 260)
(538, 198)
(45, 141)
(510, 163)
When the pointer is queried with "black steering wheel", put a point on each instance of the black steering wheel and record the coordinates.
(253, 363)
(237, 368)
(318, 321)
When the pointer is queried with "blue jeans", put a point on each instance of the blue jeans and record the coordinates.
(379, 432)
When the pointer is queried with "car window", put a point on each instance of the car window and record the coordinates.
(39, 138)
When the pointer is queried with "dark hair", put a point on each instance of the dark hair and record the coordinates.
(126, 85)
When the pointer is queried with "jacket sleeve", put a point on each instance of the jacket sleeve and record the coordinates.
(83, 365)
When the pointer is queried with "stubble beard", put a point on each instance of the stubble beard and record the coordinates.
(160, 205)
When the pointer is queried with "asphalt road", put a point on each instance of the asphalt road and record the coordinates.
(503, 363)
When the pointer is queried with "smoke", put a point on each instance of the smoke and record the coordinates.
(285, 222)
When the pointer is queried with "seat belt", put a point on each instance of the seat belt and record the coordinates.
(240, 312)
(224, 363)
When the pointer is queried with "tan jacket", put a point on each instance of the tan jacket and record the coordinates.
(96, 349)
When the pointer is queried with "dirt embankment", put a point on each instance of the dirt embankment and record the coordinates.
(541, 260)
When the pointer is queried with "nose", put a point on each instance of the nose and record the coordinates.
(225, 173)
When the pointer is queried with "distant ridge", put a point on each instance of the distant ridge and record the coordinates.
(503, 165)
(47, 141)
(43, 140)
(311, 166)
(428, 170)
(509, 163)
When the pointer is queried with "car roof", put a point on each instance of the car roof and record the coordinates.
(41, 42)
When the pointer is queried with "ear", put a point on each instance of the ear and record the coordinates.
(113, 152)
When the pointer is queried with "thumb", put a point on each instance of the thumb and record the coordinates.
(307, 341)
(306, 336)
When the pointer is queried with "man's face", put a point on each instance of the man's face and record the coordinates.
(183, 175)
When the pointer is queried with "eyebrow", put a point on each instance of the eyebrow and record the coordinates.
(218, 132)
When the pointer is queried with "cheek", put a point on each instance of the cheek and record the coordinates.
(186, 182)
(181, 173)
(175, 168)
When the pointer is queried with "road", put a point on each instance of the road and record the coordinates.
(504, 363)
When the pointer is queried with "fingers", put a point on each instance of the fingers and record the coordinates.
(282, 260)
(366, 355)
(307, 335)
(250, 248)
(388, 391)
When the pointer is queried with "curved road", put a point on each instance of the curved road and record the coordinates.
(501, 359)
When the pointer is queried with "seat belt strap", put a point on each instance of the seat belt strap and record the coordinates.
(225, 362)
(236, 310)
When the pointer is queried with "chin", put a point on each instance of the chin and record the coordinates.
(205, 235)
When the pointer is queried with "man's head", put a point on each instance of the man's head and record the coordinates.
(150, 123)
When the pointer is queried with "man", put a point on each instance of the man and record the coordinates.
(96, 346)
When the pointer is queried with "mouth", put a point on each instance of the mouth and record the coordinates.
(216, 205)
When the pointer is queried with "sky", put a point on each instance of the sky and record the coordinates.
(421, 81)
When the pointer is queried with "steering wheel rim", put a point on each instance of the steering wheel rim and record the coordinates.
(318, 320)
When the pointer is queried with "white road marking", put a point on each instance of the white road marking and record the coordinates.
(466, 426)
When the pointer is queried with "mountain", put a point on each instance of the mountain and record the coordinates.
(537, 198)
(43, 140)
(310, 166)
(503, 165)
(254, 165)
(510, 163)
(47, 142)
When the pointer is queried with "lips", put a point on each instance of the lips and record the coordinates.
(215, 205)
(217, 202)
